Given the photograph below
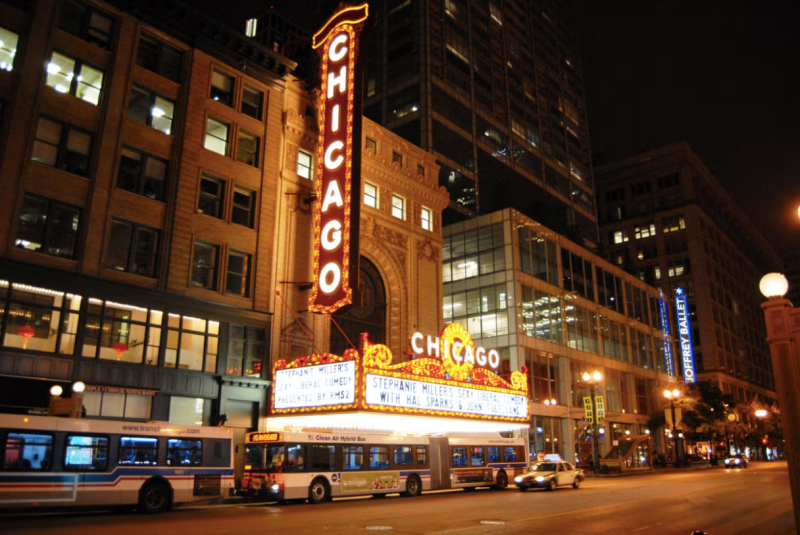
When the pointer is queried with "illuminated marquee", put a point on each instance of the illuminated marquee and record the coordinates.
(662, 308)
(685, 334)
(338, 163)
(446, 378)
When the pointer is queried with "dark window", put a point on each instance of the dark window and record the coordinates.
(372, 145)
(132, 248)
(27, 452)
(204, 265)
(238, 279)
(212, 196)
(86, 453)
(62, 146)
(184, 452)
(159, 57)
(139, 451)
(245, 351)
(222, 88)
(252, 102)
(244, 202)
(323, 457)
(142, 173)
(87, 23)
(247, 151)
(397, 158)
(147, 107)
(48, 226)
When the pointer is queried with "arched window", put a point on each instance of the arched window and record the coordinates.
(369, 317)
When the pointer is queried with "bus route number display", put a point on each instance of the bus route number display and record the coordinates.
(315, 386)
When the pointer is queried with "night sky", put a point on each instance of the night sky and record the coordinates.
(722, 75)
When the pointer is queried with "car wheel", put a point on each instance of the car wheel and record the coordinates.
(502, 481)
(413, 486)
(576, 483)
(318, 492)
(551, 485)
(154, 498)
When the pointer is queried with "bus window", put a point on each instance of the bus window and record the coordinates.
(275, 458)
(353, 457)
(476, 457)
(494, 454)
(510, 454)
(402, 456)
(254, 457)
(422, 455)
(85, 453)
(323, 457)
(139, 451)
(182, 452)
(28, 452)
(296, 459)
(459, 456)
(379, 457)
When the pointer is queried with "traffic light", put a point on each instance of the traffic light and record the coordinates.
(764, 440)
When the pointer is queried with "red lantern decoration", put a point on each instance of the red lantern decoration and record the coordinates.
(120, 348)
(26, 332)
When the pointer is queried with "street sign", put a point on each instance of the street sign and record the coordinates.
(668, 414)
(600, 405)
(587, 407)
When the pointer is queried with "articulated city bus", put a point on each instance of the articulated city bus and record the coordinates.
(318, 466)
(59, 462)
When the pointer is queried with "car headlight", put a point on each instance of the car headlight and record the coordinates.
(737, 461)
(727, 461)
(539, 479)
(518, 479)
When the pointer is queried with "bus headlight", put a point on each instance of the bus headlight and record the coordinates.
(275, 487)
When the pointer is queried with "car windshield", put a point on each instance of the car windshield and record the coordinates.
(544, 467)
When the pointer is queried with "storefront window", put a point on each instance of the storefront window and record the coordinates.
(39, 319)
(121, 332)
(192, 343)
(245, 348)
(545, 437)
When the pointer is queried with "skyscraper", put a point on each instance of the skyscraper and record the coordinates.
(494, 90)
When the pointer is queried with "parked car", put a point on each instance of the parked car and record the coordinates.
(736, 461)
(549, 475)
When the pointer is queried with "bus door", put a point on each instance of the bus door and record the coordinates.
(440, 463)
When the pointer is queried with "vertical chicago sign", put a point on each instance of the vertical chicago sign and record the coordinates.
(685, 336)
(338, 162)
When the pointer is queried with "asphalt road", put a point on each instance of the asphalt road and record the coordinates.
(756, 500)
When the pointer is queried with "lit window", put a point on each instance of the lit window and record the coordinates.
(644, 231)
(425, 219)
(62, 146)
(8, 49)
(217, 136)
(212, 196)
(222, 88)
(244, 202)
(87, 23)
(370, 195)
(398, 207)
(147, 107)
(159, 57)
(619, 236)
(238, 279)
(674, 224)
(247, 150)
(72, 77)
(204, 265)
(245, 350)
(252, 102)
(304, 164)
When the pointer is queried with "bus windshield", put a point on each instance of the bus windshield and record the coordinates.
(266, 457)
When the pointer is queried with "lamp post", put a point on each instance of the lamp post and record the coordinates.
(783, 330)
(592, 380)
(672, 395)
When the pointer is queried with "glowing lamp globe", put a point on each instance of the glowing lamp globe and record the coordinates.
(78, 387)
(773, 285)
(56, 390)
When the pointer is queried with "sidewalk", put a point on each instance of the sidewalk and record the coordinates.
(670, 469)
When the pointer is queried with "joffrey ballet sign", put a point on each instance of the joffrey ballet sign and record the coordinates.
(338, 163)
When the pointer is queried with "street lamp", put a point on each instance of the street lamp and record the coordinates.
(783, 331)
(592, 380)
(672, 395)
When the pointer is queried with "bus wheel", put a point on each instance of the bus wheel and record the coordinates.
(502, 481)
(413, 486)
(319, 491)
(154, 497)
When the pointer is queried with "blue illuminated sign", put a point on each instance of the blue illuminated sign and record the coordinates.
(662, 308)
(685, 334)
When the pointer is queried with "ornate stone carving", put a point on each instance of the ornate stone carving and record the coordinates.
(426, 251)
